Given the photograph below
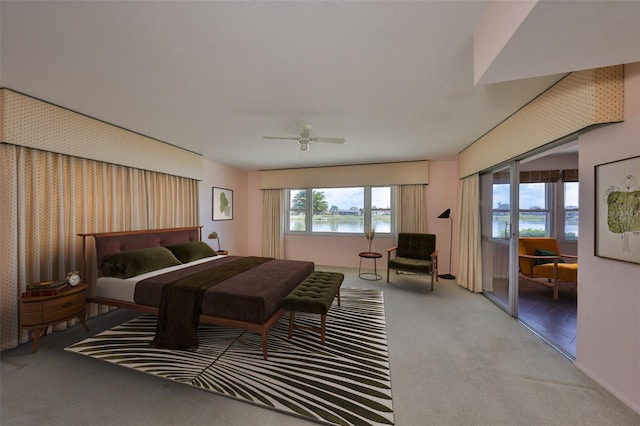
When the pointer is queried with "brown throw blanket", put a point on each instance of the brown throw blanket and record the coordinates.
(179, 310)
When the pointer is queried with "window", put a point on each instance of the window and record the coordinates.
(534, 217)
(533, 213)
(571, 210)
(340, 210)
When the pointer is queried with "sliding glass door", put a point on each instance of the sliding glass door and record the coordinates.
(499, 202)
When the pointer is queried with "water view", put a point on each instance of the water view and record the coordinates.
(341, 224)
(532, 227)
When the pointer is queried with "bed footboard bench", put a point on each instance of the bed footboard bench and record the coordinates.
(313, 295)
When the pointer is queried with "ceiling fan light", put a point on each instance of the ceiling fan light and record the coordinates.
(304, 140)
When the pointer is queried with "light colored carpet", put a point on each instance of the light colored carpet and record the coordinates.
(345, 381)
(455, 358)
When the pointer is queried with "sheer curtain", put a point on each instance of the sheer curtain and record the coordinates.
(411, 208)
(273, 211)
(469, 273)
(49, 198)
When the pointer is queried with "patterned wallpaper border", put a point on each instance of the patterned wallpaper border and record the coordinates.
(32, 123)
(580, 100)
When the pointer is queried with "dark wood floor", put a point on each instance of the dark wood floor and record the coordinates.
(554, 319)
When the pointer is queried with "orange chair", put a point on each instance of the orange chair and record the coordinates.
(540, 262)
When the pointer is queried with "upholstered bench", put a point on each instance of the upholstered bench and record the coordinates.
(313, 295)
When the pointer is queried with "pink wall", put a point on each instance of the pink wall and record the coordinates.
(343, 251)
(335, 251)
(233, 233)
(442, 194)
(608, 341)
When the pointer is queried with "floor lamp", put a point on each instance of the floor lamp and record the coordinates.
(447, 215)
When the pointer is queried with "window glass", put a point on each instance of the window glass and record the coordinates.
(381, 209)
(533, 196)
(571, 212)
(501, 208)
(338, 210)
(297, 209)
(534, 212)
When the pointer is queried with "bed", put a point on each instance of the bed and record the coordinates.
(133, 267)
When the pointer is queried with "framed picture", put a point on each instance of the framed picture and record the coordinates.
(222, 204)
(617, 230)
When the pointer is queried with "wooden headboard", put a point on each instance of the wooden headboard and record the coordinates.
(108, 243)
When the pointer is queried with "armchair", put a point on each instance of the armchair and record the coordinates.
(414, 253)
(540, 262)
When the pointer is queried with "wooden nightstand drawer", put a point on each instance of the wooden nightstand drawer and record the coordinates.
(31, 314)
(67, 306)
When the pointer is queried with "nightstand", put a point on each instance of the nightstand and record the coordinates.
(38, 313)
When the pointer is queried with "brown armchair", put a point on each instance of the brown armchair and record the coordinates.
(414, 253)
(540, 262)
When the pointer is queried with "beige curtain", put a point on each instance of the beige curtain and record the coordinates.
(411, 207)
(469, 273)
(49, 198)
(273, 221)
(171, 200)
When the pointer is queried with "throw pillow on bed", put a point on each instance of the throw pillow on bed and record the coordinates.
(540, 252)
(193, 250)
(128, 264)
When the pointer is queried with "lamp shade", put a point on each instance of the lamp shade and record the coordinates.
(214, 236)
(445, 214)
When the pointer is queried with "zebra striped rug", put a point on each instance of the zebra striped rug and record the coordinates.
(344, 382)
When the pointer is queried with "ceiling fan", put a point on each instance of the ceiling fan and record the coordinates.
(304, 140)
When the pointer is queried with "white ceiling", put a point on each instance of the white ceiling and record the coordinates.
(393, 78)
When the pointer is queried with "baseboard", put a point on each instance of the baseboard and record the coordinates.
(635, 407)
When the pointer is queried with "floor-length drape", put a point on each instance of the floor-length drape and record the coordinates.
(48, 198)
(469, 273)
(411, 208)
(8, 247)
(273, 220)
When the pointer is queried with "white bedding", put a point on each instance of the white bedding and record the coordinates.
(123, 288)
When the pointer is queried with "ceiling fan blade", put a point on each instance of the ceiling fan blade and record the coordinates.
(280, 137)
(328, 140)
(305, 131)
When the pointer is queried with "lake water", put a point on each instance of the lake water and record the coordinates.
(347, 226)
(351, 227)
(498, 227)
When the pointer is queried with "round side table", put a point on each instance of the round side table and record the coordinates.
(367, 275)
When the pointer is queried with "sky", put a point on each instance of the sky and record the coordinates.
(345, 198)
(529, 196)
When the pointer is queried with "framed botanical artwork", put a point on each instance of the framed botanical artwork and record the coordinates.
(222, 204)
(617, 230)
